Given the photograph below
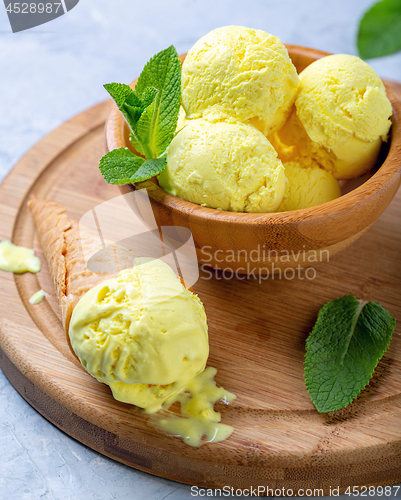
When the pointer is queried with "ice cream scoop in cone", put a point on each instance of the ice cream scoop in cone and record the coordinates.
(140, 331)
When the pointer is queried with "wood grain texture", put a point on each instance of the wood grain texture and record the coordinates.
(257, 334)
(322, 231)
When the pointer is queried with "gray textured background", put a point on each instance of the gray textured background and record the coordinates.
(54, 71)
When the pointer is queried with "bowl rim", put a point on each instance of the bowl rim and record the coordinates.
(114, 138)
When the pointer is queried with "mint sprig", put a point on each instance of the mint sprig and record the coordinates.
(380, 30)
(120, 166)
(151, 112)
(343, 349)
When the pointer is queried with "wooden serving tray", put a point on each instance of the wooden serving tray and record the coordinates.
(257, 336)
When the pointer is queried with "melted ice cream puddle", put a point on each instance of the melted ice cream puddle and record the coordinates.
(18, 259)
(198, 418)
(38, 297)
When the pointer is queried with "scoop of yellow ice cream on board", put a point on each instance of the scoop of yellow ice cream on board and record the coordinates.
(341, 117)
(228, 166)
(139, 329)
(238, 73)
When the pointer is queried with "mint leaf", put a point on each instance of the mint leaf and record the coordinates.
(127, 102)
(134, 107)
(133, 100)
(163, 73)
(119, 165)
(133, 113)
(380, 30)
(157, 70)
(151, 111)
(149, 169)
(119, 92)
(343, 349)
(145, 126)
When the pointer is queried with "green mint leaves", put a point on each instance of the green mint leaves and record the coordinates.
(120, 166)
(151, 112)
(346, 343)
(380, 30)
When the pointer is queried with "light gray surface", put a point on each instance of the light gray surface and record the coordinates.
(53, 72)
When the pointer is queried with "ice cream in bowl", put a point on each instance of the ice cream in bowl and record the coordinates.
(283, 155)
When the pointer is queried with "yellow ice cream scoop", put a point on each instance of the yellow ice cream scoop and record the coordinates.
(225, 166)
(142, 333)
(342, 115)
(307, 185)
(239, 73)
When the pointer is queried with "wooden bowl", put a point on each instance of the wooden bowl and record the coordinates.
(247, 243)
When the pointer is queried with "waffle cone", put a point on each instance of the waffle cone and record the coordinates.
(60, 239)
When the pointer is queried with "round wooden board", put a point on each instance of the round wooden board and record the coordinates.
(257, 335)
